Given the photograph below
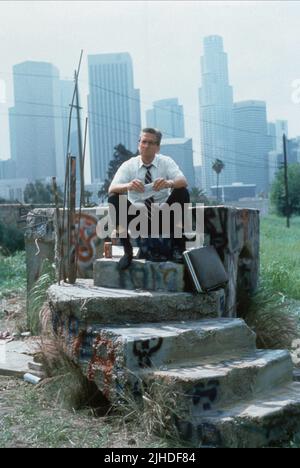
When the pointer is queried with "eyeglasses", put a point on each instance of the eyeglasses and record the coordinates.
(148, 142)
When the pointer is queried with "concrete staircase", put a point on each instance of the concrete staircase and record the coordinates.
(228, 393)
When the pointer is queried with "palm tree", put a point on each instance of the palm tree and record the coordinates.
(218, 167)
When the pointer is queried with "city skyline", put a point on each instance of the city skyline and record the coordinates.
(155, 60)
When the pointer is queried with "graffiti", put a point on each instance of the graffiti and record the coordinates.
(84, 241)
(215, 222)
(102, 364)
(144, 351)
(206, 394)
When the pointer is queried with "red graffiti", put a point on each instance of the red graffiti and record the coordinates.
(87, 237)
(103, 360)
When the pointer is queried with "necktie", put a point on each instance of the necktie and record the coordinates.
(148, 180)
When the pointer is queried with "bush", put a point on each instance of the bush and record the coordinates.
(11, 239)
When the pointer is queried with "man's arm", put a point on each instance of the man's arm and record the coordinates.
(135, 185)
(177, 182)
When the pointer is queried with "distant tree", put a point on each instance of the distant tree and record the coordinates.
(198, 195)
(3, 201)
(218, 167)
(39, 193)
(121, 155)
(278, 191)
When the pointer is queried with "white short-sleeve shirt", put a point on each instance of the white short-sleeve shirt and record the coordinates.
(162, 166)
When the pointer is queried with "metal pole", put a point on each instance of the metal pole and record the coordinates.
(58, 258)
(286, 183)
(72, 244)
(79, 134)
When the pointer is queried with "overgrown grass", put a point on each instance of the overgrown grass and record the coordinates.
(280, 256)
(274, 311)
(12, 274)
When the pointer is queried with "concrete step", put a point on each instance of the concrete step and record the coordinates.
(266, 420)
(222, 379)
(83, 304)
(153, 345)
(127, 351)
(142, 274)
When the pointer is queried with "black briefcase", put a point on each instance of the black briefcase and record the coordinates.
(205, 269)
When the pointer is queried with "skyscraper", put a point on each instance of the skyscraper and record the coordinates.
(216, 113)
(113, 107)
(4, 129)
(167, 116)
(181, 150)
(35, 121)
(252, 143)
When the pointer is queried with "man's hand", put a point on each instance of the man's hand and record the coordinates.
(136, 185)
(160, 184)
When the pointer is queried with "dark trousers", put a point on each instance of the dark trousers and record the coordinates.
(180, 196)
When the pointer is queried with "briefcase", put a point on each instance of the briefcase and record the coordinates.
(205, 268)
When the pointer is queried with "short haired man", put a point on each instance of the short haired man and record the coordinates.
(169, 183)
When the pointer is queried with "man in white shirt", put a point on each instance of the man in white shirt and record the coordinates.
(154, 171)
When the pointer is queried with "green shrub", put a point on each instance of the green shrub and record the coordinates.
(11, 239)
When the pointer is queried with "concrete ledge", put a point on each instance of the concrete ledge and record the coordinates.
(264, 421)
(142, 274)
(87, 303)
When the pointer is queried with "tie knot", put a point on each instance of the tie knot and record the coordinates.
(148, 167)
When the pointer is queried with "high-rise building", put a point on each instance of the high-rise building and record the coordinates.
(67, 91)
(7, 169)
(4, 128)
(35, 121)
(113, 108)
(252, 144)
(167, 116)
(181, 150)
(281, 128)
(216, 113)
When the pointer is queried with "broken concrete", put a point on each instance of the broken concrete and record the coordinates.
(15, 357)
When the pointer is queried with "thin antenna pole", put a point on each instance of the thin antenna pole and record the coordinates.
(286, 183)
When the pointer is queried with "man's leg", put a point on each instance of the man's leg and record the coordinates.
(114, 200)
(180, 196)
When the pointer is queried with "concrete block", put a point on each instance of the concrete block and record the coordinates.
(84, 303)
(142, 274)
(218, 381)
(15, 357)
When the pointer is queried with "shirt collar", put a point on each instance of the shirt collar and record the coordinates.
(154, 162)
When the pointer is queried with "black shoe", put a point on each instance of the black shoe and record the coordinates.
(125, 261)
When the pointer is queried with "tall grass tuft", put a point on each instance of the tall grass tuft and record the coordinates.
(154, 411)
(37, 298)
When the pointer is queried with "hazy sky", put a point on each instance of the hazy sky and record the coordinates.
(165, 40)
